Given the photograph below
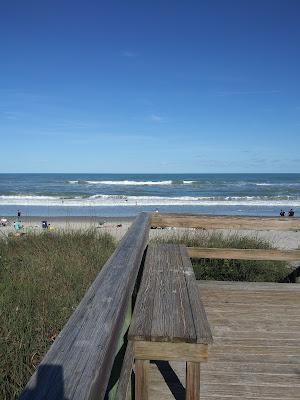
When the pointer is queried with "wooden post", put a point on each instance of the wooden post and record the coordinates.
(141, 379)
(192, 381)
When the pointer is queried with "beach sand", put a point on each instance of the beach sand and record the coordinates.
(116, 226)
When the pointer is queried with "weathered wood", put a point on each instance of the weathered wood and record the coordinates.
(159, 316)
(244, 254)
(84, 351)
(225, 222)
(125, 376)
(141, 380)
(192, 381)
(169, 308)
(169, 321)
(172, 319)
(203, 332)
(170, 351)
(252, 358)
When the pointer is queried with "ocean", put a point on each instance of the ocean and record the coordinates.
(128, 194)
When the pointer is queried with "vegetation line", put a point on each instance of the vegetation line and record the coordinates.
(42, 279)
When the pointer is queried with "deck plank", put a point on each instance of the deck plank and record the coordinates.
(255, 357)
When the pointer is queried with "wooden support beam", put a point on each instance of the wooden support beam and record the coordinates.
(244, 254)
(141, 379)
(125, 376)
(192, 381)
(225, 222)
(167, 351)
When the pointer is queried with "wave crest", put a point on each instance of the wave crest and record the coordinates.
(130, 182)
(121, 200)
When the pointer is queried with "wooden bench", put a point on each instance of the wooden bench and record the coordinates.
(169, 321)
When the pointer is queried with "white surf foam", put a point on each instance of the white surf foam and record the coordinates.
(125, 182)
(119, 200)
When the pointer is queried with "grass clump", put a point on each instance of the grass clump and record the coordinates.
(42, 279)
(229, 270)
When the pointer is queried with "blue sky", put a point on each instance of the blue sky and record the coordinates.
(140, 86)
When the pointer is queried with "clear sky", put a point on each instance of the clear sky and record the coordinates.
(150, 86)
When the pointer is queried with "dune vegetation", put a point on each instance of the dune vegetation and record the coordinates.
(42, 279)
(229, 270)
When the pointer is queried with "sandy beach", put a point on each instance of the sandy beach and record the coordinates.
(116, 226)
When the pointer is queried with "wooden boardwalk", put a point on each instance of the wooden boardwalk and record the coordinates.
(256, 350)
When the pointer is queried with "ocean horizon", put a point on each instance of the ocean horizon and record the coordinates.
(60, 194)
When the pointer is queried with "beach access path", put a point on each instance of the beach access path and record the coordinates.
(255, 354)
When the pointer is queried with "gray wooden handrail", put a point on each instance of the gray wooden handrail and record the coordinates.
(79, 363)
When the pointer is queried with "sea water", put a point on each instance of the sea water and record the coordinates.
(129, 194)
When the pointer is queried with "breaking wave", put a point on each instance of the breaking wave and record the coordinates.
(121, 200)
(130, 183)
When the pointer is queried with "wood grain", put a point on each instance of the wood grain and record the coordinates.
(169, 308)
(141, 379)
(252, 358)
(125, 376)
(85, 349)
(192, 381)
(244, 254)
(203, 332)
(146, 350)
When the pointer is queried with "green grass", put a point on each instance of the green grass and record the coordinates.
(42, 279)
(229, 270)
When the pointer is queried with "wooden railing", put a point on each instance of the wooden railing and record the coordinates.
(86, 361)
(206, 222)
(244, 254)
(79, 364)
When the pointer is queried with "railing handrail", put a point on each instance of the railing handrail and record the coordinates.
(244, 254)
(79, 363)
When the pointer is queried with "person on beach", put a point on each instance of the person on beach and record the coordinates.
(17, 225)
(282, 213)
(291, 213)
(19, 214)
(45, 224)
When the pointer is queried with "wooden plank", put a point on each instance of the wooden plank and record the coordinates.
(244, 254)
(203, 332)
(140, 328)
(172, 319)
(125, 376)
(230, 367)
(254, 358)
(183, 319)
(237, 391)
(239, 287)
(141, 379)
(163, 308)
(192, 381)
(246, 378)
(225, 222)
(85, 349)
(193, 352)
